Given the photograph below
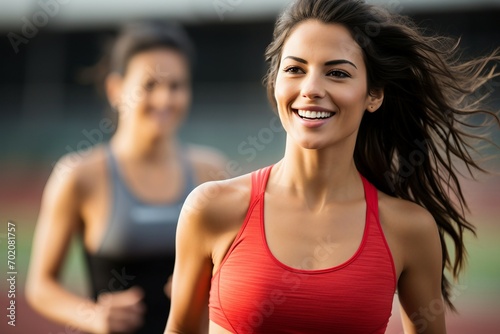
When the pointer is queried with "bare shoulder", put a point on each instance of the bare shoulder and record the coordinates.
(411, 232)
(212, 215)
(80, 168)
(219, 205)
(209, 163)
(73, 177)
(407, 220)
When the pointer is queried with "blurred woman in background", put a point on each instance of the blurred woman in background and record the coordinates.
(124, 198)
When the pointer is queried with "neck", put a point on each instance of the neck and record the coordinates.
(319, 176)
(145, 148)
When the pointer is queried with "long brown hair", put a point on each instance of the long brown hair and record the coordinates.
(408, 147)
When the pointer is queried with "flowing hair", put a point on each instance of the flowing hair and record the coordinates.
(409, 147)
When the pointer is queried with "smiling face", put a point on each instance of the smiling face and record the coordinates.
(321, 87)
(154, 94)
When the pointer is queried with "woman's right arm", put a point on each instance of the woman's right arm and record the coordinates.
(58, 220)
(210, 219)
(193, 263)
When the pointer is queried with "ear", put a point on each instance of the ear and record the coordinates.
(375, 99)
(113, 85)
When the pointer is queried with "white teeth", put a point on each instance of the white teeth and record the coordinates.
(314, 114)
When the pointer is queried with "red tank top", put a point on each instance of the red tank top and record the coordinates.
(253, 292)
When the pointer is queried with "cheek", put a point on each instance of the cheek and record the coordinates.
(283, 97)
(351, 96)
(133, 97)
(283, 92)
(186, 97)
(133, 91)
(182, 101)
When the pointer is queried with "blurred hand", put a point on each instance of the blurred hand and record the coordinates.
(120, 312)
(168, 287)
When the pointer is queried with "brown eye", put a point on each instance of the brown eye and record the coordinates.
(150, 85)
(293, 70)
(338, 74)
(175, 85)
(178, 85)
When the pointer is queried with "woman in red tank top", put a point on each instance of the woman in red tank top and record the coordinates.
(356, 208)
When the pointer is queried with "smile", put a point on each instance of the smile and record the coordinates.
(313, 115)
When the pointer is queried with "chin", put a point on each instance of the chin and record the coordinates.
(159, 132)
(164, 126)
(309, 144)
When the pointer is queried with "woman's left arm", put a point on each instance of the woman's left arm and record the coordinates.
(419, 285)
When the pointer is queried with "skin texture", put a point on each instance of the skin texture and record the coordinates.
(314, 190)
(152, 99)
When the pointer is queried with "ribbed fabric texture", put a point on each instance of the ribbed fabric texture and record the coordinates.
(252, 292)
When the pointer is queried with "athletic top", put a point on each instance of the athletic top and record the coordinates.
(138, 247)
(253, 292)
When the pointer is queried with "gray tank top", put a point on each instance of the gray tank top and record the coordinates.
(138, 229)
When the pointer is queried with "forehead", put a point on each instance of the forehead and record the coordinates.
(312, 38)
(158, 62)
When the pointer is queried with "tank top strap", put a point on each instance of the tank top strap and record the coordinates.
(114, 171)
(113, 165)
(117, 179)
(259, 181)
(371, 196)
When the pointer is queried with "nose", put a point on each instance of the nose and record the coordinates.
(312, 87)
(161, 96)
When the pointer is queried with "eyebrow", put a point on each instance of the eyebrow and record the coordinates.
(328, 63)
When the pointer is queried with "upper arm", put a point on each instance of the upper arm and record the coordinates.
(57, 220)
(419, 285)
(193, 263)
(210, 220)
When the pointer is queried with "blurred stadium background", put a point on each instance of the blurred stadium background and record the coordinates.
(49, 104)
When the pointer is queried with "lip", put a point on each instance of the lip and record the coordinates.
(161, 115)
(312, 108)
